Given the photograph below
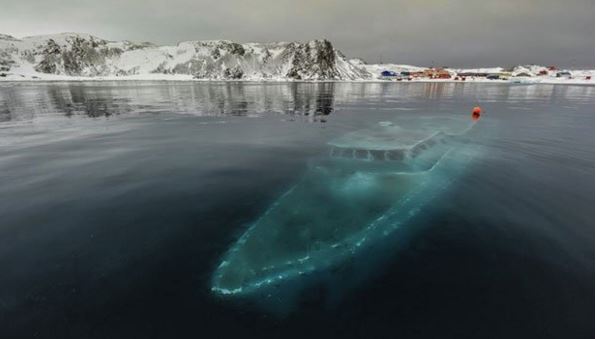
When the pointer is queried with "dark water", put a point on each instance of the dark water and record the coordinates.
(119, 199)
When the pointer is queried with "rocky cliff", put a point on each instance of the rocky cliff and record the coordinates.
(84, 55)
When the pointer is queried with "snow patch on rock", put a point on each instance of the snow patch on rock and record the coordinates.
(84, 55)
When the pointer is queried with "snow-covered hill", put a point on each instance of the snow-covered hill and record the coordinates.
(70, 55)
(76, 56)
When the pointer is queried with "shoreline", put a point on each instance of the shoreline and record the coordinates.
(535, 81)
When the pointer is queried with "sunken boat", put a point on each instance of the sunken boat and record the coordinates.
(372, 183)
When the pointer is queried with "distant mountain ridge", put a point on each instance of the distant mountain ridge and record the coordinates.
(84, 55)
(81, 56)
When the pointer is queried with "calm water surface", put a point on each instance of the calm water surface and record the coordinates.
(119, 199)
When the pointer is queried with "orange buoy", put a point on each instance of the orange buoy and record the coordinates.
(476, 114)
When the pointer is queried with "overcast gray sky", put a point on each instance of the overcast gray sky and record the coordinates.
(421, 32)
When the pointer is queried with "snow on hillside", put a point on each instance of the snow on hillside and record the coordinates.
(376, 69)
(76, 56)
(83, 55)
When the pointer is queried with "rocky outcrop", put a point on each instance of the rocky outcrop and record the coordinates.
(313, 60)
(79, 57)
(84, 55)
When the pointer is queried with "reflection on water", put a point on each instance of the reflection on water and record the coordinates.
(119, 200)
(26, 101)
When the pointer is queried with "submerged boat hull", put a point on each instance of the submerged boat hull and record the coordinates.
(341, 206)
